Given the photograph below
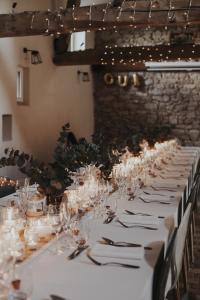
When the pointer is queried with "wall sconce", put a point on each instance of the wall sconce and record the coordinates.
(35, 56)
(84, 76)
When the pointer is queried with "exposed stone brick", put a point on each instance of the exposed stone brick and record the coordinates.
(167, 98)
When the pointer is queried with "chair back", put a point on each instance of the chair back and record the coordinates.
(162, 269)
(180, 241)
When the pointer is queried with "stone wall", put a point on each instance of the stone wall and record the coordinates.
(164, 98)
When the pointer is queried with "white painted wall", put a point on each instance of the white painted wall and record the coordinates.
(56, 96)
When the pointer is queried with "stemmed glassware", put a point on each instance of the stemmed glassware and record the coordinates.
(57, 222)
(21, 283)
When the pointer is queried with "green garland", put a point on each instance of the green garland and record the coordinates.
(69, 155)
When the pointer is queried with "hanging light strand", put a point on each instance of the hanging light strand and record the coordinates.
(133, 7)
(48, 23)
(188, 11)
(150, 13)
(150, 10)
(171, 13)
(90, 16)
(120, 11)
(32, 21)
(105, 10)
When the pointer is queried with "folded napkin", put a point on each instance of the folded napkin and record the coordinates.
(117, 252)
(139, 220)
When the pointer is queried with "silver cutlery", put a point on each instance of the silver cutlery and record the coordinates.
(55, 297)
(141, 214)
(153, 201)
(147, 193)
(136, 226)
(109, 219)
(171, 177)
(77, 252)
(165, 189)
(112, 263)
(110, 242)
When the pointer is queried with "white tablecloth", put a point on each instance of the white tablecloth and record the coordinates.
(80, 279)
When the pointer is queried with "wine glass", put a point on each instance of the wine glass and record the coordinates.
(21, 284)
(56, 220)
(80, 231)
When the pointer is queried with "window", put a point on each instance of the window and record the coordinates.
(78, 41)
(22, 85)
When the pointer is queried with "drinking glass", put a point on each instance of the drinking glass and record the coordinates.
(80, 231)
(21, 284)
(57, 222)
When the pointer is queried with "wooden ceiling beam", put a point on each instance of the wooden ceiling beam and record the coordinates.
(129, 55)
(78, 18)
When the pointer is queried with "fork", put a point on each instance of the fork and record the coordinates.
(110, 242)
(77, 251)
(110, 263)
(171, 177)
(136, 226)
(165, 189)
(141, 214)
(147, 193)
(154, 201)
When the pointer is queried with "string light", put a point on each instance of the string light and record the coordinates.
(105, 10)
(56, 18)
(73, 17)
(47, 20)
(187, 14)
(133, 6)
(32, 20)
(147, 52)
(170, 14)
(120, 10)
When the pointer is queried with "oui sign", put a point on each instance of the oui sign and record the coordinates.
(122, 80)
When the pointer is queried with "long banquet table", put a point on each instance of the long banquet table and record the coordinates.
(80, 279)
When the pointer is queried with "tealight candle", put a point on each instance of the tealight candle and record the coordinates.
(31, 238)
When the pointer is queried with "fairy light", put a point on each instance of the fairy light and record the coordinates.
(170, 14)
(48, 23)
(90, 16)
(61, 25)
(106, 9)
(73, 17)
(144, 51)
(150, 9)
(120, 10)
(32, 21)
(133, 7)
(47, 19)
(187, 14)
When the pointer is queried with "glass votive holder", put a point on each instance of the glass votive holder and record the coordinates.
(31, 238)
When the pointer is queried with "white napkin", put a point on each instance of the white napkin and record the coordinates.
(141, 220)
(117, 252)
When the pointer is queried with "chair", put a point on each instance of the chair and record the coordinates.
(190, 297)
(178, 260)
(193, 198)
(162, 269)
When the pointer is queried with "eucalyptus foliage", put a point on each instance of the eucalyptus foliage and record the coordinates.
(69, 155)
